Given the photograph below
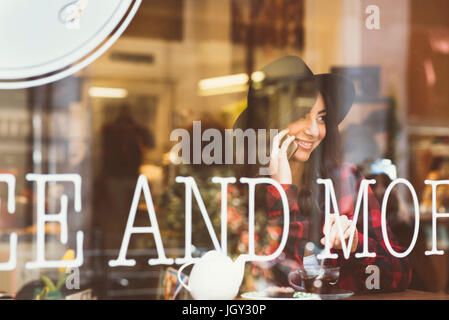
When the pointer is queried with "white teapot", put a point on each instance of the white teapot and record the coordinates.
(214, 276)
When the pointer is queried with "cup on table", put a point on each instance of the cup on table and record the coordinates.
(314, 279)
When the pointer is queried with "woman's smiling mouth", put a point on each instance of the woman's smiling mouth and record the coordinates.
(304, 144)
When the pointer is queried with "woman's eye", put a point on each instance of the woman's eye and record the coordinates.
(322, 118)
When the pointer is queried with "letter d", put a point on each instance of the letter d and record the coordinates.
(252, 182)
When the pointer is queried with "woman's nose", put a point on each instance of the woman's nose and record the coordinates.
(312, 128)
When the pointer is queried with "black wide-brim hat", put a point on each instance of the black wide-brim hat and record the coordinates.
(288, 72)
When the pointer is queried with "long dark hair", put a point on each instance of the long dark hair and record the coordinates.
(323, 163)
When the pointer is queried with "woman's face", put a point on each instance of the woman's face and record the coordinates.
(309, 130)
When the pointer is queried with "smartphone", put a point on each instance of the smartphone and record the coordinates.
(292, 147)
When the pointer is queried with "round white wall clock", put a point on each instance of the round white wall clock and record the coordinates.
(42, 41)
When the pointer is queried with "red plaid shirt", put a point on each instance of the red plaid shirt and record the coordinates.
(395, 273)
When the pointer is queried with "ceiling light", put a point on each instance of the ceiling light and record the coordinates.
(115, 93)
(221, 82)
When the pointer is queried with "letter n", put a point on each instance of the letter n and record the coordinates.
(192, 188)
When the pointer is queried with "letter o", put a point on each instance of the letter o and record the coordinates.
(384, 218)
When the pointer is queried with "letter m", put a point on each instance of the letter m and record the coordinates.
(239, 135)
(362, 198)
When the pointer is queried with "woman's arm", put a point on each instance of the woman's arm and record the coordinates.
(298, 227)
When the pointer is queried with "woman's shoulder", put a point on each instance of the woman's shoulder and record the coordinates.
(347, 170)
(347, 182)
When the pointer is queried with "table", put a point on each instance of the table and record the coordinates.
(404, 295)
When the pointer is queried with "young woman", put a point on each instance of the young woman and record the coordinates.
(313, 127)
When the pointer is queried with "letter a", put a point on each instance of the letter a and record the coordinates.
(372, 281)
(142, 184)
(372, 22)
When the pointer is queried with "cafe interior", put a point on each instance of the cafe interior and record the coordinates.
(181, 61)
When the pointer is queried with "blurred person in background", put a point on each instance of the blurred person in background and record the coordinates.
(124, 143)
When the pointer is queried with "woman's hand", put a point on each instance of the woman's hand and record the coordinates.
(279, 166)
(331, 229)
